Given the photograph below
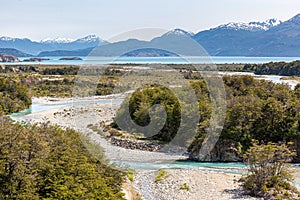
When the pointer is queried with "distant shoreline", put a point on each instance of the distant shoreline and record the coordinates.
(54, 60)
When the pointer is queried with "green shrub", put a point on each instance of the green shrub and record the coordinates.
(130, 175)
(14, 96)
(185, 186)
(161, 175)
(139, 108)
(269, 175)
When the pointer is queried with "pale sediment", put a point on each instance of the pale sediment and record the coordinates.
(183, 184)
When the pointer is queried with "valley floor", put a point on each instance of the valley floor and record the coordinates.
(202, 184)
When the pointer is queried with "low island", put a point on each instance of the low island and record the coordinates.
(71, 58)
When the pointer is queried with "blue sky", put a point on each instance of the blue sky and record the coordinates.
(39, 19)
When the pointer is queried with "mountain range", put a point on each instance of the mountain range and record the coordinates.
(32, 47)
(269, 38)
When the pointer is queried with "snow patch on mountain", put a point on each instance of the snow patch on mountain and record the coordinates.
(252, 26)
(87, 39)
(90, 38)
(57, 40)
(179, 32)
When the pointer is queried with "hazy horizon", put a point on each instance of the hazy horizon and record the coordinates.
(38, 20)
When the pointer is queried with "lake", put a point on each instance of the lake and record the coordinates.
(155, 60)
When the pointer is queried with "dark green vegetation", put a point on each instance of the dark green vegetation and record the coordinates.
(256, 109)
(271, 68)
(260, 110)
(139, 108)
(269, 175)
(14, 96)
(275, 68)
(46, 162)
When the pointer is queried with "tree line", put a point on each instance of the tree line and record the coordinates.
(275, 68)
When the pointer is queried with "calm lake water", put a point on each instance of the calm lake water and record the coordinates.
(162, 60)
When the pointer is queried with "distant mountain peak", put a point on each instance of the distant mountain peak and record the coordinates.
(252, 26)
(90, 38)
(179, 32)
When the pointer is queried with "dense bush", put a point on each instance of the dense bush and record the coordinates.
(269, 174)
(256, 109)
(14, 96)
(275, 68)
(60, 71)
(46, 162)
(60, 87)
(139, 108)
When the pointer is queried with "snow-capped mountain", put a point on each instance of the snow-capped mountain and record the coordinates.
(268, 38)
(90, 38)
(252, 26)
(179, 32)
(49, 44)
